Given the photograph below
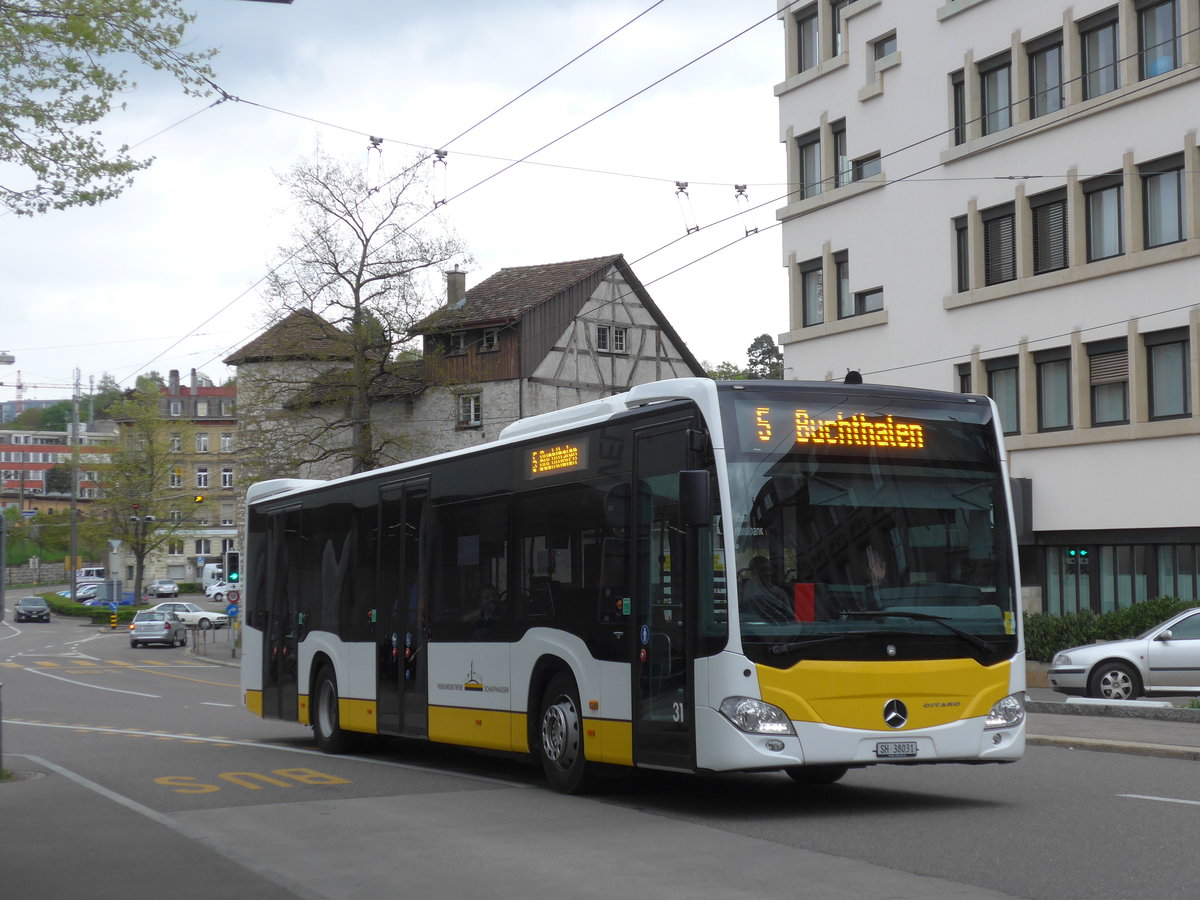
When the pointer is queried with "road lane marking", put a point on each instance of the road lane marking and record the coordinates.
(1160, 799)
(98, 687)
(227, 705)
(266, 745)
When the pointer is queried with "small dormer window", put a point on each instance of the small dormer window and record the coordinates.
(458, 342)
(491, 340)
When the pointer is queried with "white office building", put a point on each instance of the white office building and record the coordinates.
(1003, 197)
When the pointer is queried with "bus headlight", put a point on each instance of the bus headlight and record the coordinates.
(755, 716)
(1008, 712)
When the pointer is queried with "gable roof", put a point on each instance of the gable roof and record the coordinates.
(303, 335)
(512, 292)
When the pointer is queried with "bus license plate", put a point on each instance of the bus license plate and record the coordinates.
(895, 749)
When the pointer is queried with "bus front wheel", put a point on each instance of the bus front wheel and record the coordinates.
(560, 737)
(326, 721)
(816, 774)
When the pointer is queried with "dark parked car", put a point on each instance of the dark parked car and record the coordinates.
(32, 609)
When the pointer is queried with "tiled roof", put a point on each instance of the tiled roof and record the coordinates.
(403, 378)
(303, 335)
(512, 292)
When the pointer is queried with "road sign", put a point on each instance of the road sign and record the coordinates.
(29, 513)
(233, 596)
(231, 610)
(199, 560)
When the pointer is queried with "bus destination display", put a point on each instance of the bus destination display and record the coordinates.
(556, 460)
(834, 429)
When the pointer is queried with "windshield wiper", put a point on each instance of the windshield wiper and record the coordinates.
(779, 649)
(973, 639)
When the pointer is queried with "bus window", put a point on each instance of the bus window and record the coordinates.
(471, 568)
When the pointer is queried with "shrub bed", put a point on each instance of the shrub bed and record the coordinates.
(1046, 633)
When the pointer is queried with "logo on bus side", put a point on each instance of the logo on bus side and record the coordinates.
(473, 683)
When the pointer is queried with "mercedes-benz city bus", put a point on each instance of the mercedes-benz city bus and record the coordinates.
(692, 576)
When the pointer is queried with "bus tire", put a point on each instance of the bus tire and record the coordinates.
(560, 737)
(816, 774)
(326, 722)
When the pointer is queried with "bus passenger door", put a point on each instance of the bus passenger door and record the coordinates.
(280, 625)
(662, 701)
(400, 621)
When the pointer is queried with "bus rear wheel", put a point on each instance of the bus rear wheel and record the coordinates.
(326, 721)
(816, 774)
(560, 737)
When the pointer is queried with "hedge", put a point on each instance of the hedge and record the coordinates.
(1046, 634)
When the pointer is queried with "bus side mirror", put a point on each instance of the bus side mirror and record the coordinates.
(695, 507)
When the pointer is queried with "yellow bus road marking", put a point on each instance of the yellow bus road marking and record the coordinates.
(11, 665)
(186, 678)
(279, 748)
(47, 663)
(84, 663)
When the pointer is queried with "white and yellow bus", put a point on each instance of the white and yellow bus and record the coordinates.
(692, 576)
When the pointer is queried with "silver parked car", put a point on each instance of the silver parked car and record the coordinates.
(1163, 660)
(162, 587)
(152, 626)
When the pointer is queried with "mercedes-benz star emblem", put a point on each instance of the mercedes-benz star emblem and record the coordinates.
(895, 714)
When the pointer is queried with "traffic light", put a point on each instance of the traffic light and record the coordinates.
(199, 498)
(233, 566)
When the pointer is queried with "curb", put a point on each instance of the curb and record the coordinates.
(1115, 710)
(1161, 751)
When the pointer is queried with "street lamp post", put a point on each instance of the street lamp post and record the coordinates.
(6, 359)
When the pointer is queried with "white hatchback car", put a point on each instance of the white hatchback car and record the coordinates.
(194, 615)
(1163, 660)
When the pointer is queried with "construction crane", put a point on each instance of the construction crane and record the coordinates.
(21, 385)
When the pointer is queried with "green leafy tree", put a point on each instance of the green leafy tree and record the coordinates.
(764, 359)
(724, 371)
(58, 480)
(61, 63)
(139, 506)
(108, 393)
(357, 259)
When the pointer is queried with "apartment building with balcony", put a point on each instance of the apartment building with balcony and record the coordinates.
(1001, 197)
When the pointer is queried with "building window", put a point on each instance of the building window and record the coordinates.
(226, 519)
(1045, 75)
(963, 372)
(809, 148)
(962, 255)
(203, 547)
(810, 40)
(174, 548)
(1108, 375)
(176, 443)
(176, 478)
(1158, 38)
(226, 407)
(841, 271)
(458, 342)
(885, 46)
(1054, 389)
(202, 442)
(842, 170)
(1102, 199)
(812, 293)
(1170, 374)
(1099, 38)
(1179, 571)
(202, 477)
(958, 104)
(491, 340)
(861, 303)
(201, 408)
(867, 166)
(1162, 199)
(1003, 388)
(837, 7)
(1049, 231)
(618, 339)
(227, 442)
(999, 244)
(176, 407)
(610, 338)
(470, 410)
(227, 477)
(995, 93)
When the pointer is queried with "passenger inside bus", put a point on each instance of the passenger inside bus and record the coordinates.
(761, 597)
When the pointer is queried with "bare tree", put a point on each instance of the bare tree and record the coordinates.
(352, 283)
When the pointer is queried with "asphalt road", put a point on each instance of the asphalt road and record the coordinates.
(142, 775)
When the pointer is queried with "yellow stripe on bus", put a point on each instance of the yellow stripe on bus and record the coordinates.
(851, 694)
(487, 728)
(252, 700)
(356, 715)
(608, 741)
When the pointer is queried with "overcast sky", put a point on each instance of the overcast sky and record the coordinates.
(130, 286)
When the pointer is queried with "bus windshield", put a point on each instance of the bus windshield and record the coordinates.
(868, 525)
